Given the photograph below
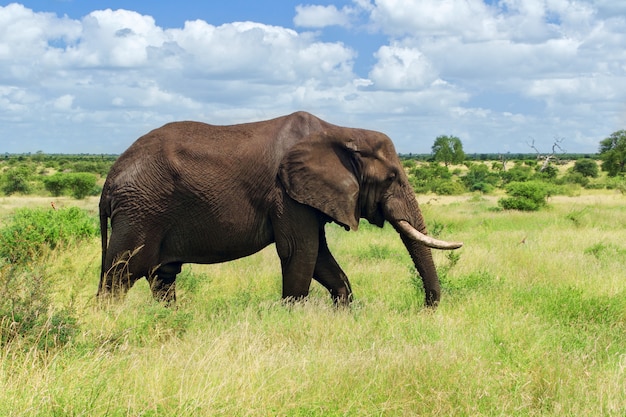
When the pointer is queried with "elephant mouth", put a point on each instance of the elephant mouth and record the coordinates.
(406, 229)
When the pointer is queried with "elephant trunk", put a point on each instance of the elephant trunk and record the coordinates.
(423, 261)
(412, 229)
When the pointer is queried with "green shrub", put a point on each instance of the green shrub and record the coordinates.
(518, 173)
(548, 173)
(26, 312)
(525, 196)
(30, 231)
(55, 184)
(16, 180)
(576, 178)
(408, 163)
(483, 187)
(78, 184)
(586, 167)
(480, 178)
(447, 187)
(430, 178)
(82, 184)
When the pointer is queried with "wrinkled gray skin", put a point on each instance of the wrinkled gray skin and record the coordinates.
(191, 192)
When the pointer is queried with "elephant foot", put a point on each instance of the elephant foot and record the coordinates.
(432, 299)
(342, 297)
(163, 285)
(166, 296)
(112, 290)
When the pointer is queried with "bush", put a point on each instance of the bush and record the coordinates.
(447, 187)
(26, 313)
(424, 178)
(30, 231)
(480, 178)
(16, 180)
(586, 167)
(483, 187)
(79, 185)
(518, 173)
(549, 173)
(526, 196)
(576, 178)
(55, 184)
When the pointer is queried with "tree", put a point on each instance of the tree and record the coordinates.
(547, 158)
(613, 153)
(448, 149)
(586, 167)
(525, 196)
(16, 180)
(80, 184)
(480, 178)
(55, 184)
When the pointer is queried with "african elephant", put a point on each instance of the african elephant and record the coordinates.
(191, 192)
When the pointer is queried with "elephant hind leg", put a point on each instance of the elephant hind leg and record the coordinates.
(121, 271)
(163, 282)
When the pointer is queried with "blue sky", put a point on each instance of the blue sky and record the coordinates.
(83, 76)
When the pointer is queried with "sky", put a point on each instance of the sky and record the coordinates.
(91, 76)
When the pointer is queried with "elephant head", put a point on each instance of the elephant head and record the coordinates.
(349, 174)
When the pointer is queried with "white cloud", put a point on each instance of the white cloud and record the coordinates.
(400, 68)
(112, 66)
(496, 72)
(557, 57)
(468, 18)
(313, 16)
(64, 102)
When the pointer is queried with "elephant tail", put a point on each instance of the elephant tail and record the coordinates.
(104, 235)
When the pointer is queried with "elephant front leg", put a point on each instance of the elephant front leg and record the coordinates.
(328, 273)
(296, 236)
(297, 262)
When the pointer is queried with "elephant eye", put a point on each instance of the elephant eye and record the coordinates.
(392, 176)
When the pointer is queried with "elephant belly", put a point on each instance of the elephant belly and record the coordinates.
(214, 244)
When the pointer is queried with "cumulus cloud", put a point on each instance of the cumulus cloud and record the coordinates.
(401, 68)
(558, 59)
(313, 16)
(116, 66)
(494, 73)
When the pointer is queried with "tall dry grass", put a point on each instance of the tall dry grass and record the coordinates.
(532, 322)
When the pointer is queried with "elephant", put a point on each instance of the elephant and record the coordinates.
(190, 192)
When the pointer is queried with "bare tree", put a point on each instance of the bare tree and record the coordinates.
(548, 157)
(503, 160)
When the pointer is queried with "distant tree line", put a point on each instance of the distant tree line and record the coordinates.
(446, 170)
(484, 157)
(528, 179)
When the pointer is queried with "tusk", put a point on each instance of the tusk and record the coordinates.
(431, 242)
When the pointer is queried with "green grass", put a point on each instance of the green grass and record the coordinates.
(532, 323)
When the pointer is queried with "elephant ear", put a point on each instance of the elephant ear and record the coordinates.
(319, 171)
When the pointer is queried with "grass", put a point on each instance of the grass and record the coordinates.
(532, 323)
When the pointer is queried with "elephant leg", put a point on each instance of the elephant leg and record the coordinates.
(328, 273)
(163, 282)
(122, 270)
(296, 236)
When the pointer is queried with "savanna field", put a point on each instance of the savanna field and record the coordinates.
(532, 322)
